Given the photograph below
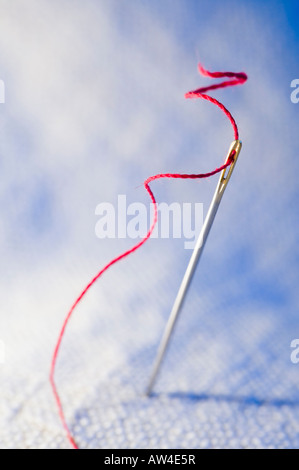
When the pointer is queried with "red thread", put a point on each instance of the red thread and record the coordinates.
(238, 79)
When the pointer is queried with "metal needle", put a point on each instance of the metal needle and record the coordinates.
(177, 306)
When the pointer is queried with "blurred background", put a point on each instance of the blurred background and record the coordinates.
(94, 104)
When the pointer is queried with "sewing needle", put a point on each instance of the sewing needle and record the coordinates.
(198, 249)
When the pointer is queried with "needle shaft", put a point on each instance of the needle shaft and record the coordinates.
(196, 254)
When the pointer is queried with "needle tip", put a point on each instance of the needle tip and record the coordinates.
(148, 392)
